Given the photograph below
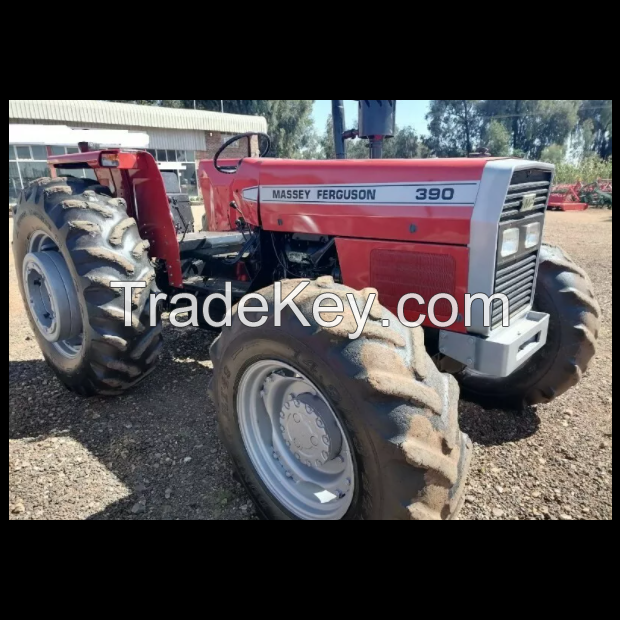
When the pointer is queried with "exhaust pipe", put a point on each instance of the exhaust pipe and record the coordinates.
(338, 114)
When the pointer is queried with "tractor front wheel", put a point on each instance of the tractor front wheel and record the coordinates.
(565, 293)
(321, 427)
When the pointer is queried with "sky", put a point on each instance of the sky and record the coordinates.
(408, 112)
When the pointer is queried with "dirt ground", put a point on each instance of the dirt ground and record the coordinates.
(155, 454)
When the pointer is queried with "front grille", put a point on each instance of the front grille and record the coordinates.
(516, 281)
(516, 278)
(524, 183)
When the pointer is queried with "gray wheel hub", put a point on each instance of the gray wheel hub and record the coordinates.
(310, 431)
(52, 297)
(295, 442)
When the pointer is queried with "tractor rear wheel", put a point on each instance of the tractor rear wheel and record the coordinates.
(565, 293)
(71, 240)
(321, 427)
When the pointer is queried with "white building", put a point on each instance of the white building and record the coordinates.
(170, 135)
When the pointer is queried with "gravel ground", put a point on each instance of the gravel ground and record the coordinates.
(155, 453)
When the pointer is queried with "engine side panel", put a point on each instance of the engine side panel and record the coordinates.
(397, 269)
(426, 201)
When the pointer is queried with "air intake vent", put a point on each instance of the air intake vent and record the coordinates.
(516, 281)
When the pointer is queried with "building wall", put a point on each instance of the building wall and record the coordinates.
(166, 145)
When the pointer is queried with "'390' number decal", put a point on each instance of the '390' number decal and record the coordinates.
(424, 193)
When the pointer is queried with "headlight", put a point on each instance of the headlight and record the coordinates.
(510, 242)
(533, 234)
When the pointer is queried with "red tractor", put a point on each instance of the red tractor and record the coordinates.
(320, 426)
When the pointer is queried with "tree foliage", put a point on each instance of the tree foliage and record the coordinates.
(596, 125)
(587, 171)
(406, 144)
(533, 124)
(455, 127)
(554, 154)
(496, 139)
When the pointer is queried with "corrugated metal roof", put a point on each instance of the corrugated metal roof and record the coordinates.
(128, 115)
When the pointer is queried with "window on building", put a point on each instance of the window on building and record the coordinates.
(72, 150)
(152, 152)
(162, 156)
(15, 185)
(58, 150)
(23, 152)
(12, 156)
(189, 180)
(39, 153)
(226, 137)
(33, 170)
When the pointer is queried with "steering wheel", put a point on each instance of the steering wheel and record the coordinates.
(234, 169)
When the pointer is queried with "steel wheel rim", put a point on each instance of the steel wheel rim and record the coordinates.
(52, 297)
(296, 442)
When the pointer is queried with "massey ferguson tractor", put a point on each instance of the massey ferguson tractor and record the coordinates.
(320, 426)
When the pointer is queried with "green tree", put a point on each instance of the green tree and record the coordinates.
(455, 127)
(328, 147)
(497, 139)
(406, 144)
(534, 124)
(291, 126)
(596, 126)
(554, 154)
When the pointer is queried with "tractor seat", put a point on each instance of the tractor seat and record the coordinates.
(211, 243)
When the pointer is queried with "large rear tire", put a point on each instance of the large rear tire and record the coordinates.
(72, 232)
(394, 415)
(565, 293)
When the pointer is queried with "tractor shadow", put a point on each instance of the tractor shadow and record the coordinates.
(496, 427)
(160, 441)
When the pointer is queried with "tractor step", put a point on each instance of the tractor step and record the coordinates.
(211, 244)
(209, 286)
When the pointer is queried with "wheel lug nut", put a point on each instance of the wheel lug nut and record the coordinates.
(349, 481)
(319, 423)
(325, 456)
(319, 464)
(339, 493)
(282, 430)
(275, 456)
(289, 475)
(326, 440)
(298, 457)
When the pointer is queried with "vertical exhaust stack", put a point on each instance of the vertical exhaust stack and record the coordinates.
(377, 122)
(338, 115)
